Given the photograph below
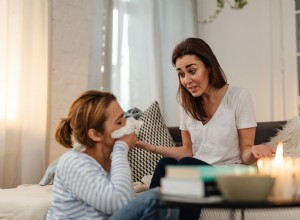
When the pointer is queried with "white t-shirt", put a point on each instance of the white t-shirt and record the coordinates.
(217, 141)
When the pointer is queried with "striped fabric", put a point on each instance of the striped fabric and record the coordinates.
(84, 190)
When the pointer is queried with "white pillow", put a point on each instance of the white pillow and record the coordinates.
(290, 136)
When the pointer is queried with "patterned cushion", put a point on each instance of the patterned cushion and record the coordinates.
(153, 131)
(49, 174)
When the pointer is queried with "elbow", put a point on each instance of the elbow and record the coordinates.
(115, 204)
(185, 152)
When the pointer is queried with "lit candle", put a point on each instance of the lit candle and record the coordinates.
(281, 168)
(279, 153)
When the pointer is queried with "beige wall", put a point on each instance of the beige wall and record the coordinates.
(70, 50)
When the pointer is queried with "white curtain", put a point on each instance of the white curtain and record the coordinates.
(144, 35)
(23, 90)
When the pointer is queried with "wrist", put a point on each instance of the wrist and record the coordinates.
(153, 148)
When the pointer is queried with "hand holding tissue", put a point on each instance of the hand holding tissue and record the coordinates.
(131, 126)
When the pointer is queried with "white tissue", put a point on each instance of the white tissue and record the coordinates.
(131, 126)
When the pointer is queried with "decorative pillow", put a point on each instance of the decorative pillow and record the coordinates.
(49, 174)
(290, 136)
(153, 131)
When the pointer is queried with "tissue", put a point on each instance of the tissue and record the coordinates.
(131, 126)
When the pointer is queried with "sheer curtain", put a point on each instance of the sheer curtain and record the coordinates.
(144, 35)
(23, 90)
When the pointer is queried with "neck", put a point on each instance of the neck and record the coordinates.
(101, 155)
(214, 94)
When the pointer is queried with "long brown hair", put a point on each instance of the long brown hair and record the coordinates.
(86, 112)
(217, 79)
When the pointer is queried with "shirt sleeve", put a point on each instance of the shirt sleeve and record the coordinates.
(182, 115)
(88, 181)
(245, 114)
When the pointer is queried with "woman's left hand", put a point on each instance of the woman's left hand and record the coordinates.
(146, 146)
(262, 150)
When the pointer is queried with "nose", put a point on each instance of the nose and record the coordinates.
(187, 79)
(123, 121)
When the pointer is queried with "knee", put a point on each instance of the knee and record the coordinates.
(167, 161)
(185, 161)
(191, 161)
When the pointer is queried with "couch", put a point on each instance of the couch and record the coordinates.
(264, 132)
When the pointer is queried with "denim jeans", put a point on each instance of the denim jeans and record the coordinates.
(145, 207)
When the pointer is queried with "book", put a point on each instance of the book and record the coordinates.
(206, 173)
(182, 187)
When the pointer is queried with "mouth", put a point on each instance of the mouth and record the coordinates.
(192, 89)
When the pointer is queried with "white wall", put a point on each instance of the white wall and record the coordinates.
(256, 47)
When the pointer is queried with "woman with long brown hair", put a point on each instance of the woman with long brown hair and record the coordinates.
(217, 120)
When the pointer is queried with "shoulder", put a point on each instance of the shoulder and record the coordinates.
(72, 159)
(237, 89)
(238, 92)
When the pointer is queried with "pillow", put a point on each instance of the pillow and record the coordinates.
(49, 174)
(290, 136)
(153, 131)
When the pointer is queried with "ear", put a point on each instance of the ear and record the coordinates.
(95, 135)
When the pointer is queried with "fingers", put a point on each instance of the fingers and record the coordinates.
(259, 151)
(130, 139)
(263, 154)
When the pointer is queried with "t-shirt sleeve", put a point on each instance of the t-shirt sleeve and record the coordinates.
(245, 114)
(182, 115)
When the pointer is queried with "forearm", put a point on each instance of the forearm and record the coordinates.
(247, 156)
(120, 173)
(174, 152)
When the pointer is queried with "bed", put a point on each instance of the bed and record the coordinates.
(31, 202)
(25, 202)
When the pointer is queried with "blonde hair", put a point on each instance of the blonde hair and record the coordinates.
(88, 111)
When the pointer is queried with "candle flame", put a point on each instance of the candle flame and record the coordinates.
(260, 163)
(279, 153)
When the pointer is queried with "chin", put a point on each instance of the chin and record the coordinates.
(196, 94)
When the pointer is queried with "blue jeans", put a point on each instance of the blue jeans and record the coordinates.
(145, 207)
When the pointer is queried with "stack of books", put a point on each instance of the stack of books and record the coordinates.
(196, 180)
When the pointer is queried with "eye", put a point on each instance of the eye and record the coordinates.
(180, 74)
(192, 71)
(121, 121)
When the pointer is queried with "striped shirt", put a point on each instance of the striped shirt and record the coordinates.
(84, 190)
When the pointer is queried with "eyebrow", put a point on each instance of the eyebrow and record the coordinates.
(187, 66)
(121, 116)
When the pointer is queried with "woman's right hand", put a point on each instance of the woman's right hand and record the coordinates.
(129, 139)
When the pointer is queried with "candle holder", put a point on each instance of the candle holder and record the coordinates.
(286, 171)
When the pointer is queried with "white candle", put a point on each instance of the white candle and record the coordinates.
(282, 169)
